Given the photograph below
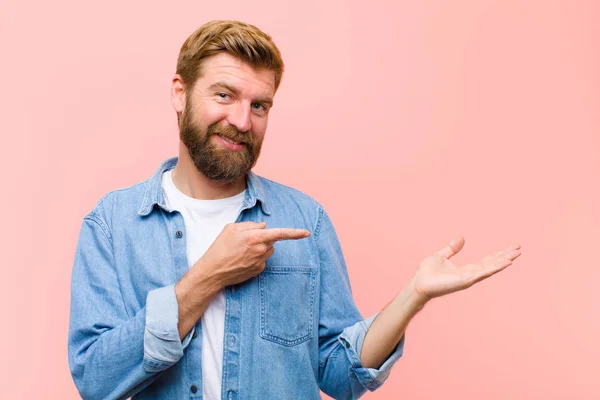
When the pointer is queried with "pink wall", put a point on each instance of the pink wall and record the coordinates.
(478, 118)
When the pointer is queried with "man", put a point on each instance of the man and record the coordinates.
(179, 288)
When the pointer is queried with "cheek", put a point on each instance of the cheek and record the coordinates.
(259, 128)
(210, 113)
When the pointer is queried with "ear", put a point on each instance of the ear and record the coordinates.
(178, 94)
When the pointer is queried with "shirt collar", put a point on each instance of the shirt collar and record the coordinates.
(154, 194)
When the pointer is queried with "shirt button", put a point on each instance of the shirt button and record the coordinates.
(194, 335)
(194, 389)
(230, 396)
(179, 234)
(231, 341)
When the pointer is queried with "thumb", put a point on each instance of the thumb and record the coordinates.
(453, 247)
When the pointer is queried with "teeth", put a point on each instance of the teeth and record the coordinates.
(229, 140)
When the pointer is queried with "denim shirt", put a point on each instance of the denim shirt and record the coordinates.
(290, 332)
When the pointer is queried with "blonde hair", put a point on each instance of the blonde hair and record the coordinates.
(239, 39)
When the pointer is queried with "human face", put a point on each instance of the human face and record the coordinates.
(225, 117)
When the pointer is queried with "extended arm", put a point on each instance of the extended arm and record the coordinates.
(435, 277)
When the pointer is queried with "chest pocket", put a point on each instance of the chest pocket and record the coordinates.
(287, 304)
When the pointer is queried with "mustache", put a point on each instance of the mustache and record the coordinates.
(230, 132)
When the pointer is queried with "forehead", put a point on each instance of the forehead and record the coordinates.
(223, 67)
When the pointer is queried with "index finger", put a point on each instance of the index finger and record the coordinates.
(276, 234)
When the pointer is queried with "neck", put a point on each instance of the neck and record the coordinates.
(191, 182)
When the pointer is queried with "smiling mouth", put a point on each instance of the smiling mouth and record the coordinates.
(229, 140)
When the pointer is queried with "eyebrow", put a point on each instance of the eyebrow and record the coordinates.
(236, 92)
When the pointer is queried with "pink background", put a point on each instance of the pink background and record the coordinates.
(440, 118)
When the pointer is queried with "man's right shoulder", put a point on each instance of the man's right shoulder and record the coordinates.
(120, 203)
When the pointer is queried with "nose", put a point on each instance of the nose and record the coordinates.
(240, 117)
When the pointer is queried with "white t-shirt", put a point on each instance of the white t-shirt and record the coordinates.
(204, 220)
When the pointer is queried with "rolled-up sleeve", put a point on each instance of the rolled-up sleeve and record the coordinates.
(162, 345)
(352, 338)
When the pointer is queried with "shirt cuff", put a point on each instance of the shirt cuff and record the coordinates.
(352, 339)
(162, 346)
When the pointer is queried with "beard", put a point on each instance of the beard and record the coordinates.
(218, 163)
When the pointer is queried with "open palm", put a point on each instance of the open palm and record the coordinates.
(437, 275)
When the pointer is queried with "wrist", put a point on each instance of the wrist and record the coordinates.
(414, 297)
(196, 287)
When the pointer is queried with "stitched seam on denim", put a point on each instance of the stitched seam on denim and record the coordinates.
(150, 359)
(313, 281)
(319, 219)
(225, 372)
(171, 245)
(370, 383)
(317, 231)
(287, 343)
(163, 168)
(170, 232)
(158, 360)
(117, 191)
(289, 270)
(373, 378)
(251, 194)
(95, 218)
(262, 304)
(104, 227)
(239, 344)
(143, 205)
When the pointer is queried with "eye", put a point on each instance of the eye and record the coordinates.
(259, 106)
(223, 95)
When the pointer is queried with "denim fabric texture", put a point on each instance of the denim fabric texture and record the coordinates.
(290, 332)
